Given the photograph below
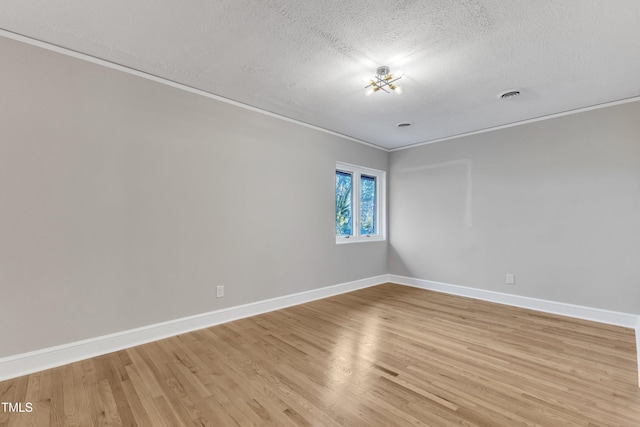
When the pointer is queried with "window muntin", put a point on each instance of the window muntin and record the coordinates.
(359, 203)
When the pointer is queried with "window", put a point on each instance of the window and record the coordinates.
(359, 203)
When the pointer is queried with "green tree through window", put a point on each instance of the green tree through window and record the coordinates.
(344, 221)
(367, 204)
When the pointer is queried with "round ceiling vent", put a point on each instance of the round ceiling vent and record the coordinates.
(404, 125)
(509, 94)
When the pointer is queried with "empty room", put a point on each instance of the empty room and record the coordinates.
(296, 213)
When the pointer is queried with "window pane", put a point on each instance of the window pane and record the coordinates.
(367, 205)
(344, 221)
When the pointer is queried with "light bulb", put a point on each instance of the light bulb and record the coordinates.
(368, 92)
(367, 80)
(398, 90)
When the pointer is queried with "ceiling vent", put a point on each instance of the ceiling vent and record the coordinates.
(509, 94)
(404, 125)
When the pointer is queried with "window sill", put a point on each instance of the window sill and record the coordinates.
(343, 241)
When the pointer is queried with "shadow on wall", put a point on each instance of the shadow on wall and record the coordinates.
(432, 208)
(397, 265)
(467, 163)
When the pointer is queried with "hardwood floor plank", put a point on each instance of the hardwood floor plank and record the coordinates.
(110, 369)
(387, 356)
(139, 414)
(70, 396)
(109, 415)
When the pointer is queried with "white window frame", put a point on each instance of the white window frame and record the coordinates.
(381, 220)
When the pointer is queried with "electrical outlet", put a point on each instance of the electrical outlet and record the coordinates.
(219, 291)
(511, 279)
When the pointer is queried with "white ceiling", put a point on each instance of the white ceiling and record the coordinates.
(305, 59)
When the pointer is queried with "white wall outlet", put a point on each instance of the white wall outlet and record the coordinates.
(219, 291)
(511, 279)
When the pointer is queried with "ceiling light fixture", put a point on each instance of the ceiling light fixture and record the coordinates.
(383, 80)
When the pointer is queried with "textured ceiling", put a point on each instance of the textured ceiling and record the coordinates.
(305, 59)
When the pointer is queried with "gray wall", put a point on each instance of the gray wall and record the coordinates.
(556, 202)
(124, 202)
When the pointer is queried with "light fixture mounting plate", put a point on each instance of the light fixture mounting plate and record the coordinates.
(383, 70)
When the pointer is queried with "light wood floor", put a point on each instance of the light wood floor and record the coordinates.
(384, 356)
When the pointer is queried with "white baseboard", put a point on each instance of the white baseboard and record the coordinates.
(51, 357)
(570, 310)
